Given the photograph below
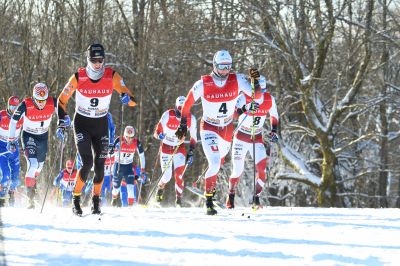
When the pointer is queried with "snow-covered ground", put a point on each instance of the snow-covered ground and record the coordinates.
(171, 236)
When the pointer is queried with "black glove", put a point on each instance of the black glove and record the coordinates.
(111, 149)
(273, 136)
(254, 74)
(251, 106)
(189, 156)
(182, 129)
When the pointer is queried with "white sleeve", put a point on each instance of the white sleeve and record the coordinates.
(273, 111)
(193, 128)
(198, 90)
(243, 84)
(241, 101)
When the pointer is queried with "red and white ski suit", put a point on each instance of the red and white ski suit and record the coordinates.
(167, 125)
(218, 99)
(243, 142)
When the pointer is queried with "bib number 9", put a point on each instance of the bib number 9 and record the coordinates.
(94, 102)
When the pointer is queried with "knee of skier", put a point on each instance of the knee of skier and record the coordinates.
(33, 165)
(87, 162)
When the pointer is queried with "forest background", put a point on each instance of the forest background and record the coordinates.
(332, 66)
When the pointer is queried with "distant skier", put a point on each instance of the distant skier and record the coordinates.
(165, 131)
(218, 92)
(65, 181)
(9, 161)
(123, 165)
(94, 85)
(36, 112)
(243, 142)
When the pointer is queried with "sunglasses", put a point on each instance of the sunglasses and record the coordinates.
(224, 66)
(40, 101)
(97, 60)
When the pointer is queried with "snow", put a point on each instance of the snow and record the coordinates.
(186, 236)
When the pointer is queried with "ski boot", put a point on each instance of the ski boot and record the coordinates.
(230, 201)
(96, 205)
(256, 203)
(178, 202)
(31, 191)
(116, 201)
(159, 194)
(76, 202)
(11, 199)
(210, 206)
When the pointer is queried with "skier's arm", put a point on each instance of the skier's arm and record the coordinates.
(120, 87)
(56, 182)
(18, 114)
(111, 128)
(194, 94)
(160, 126)
(273, 115)
(193, 131)
(142, 159)
(65, 94)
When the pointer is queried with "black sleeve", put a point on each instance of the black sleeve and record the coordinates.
(140, 147)
(21, 109)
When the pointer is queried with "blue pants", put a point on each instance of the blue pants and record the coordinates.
(9, 167)
(66, 197)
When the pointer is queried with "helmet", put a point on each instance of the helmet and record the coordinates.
(129, 132)
(95, 50)
(69, 164)
(12, 104)
(40, 92)
(222, 57)
(263, 83)
(179, 102)
(222, 61)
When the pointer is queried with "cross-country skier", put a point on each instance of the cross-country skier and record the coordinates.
(36, 112)
(219, 92)
(94, 85)
(9, 161)
(165, 131)
(243, 141)
(123, 165)
(65, 181)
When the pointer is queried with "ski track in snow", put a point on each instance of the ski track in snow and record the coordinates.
(186, 236)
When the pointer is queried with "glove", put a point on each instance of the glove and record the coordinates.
(273, 137)
(111, 149)
(67, 121)
(60, 133)
(251, 106)
(189, 156)
(161, 136)
(12, 145)
(124, 97)
(254, 74)
(143, 177)
(182, 129)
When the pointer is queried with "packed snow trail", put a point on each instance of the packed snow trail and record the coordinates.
(186, 236)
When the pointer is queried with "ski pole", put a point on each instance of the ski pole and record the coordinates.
(152, 176)
(162, 174)
(61, 150)
(253, 139)
(120, 138)
(200, 176)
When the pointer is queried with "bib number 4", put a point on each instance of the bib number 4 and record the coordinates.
(223, 109)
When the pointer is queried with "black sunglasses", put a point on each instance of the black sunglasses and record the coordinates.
(96, 60)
